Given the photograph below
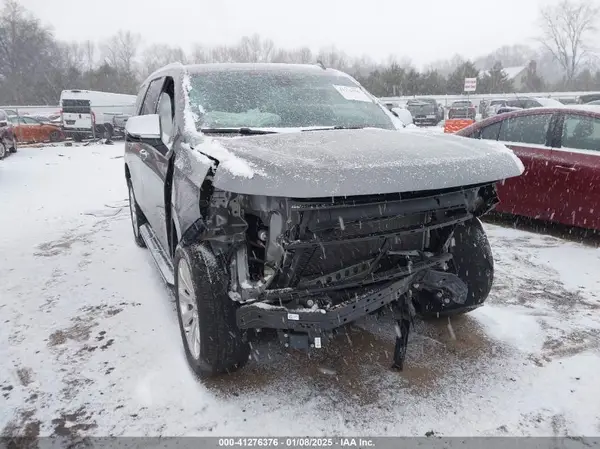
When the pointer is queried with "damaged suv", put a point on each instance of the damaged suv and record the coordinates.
(286, 197)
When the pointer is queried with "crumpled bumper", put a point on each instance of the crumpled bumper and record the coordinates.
(444, 287)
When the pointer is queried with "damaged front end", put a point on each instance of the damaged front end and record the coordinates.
(308, 266)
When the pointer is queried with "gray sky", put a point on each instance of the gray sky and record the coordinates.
(423, 30)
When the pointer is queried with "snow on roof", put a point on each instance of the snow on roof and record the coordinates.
(511, 72)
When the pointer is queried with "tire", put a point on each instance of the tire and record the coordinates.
(474, 263)
(137, 217)
(2, 150)
(13, 147)
(201, 292)
(77, 137)
(108, 131)
(99, 131)
(54, 136)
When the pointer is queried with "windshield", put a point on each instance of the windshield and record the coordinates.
(461, 103)
(282, 99)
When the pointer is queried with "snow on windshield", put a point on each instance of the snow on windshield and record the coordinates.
(282, 99)
(207, 146)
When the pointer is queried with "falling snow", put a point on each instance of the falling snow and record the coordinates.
(90, 335)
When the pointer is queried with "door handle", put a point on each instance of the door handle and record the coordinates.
(562, 167)
(143, 154)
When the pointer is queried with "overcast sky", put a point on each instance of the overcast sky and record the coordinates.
(423, 30)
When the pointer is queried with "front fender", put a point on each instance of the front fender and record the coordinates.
(190, 172)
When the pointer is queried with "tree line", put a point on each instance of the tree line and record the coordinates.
(35, 67)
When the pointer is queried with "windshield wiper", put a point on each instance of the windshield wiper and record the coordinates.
(327, 128)
(242, 131)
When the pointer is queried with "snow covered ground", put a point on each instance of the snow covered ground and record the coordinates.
(89, 341)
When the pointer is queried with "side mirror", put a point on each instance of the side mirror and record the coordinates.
(144, 127)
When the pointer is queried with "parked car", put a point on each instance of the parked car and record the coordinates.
(516, 104)
(118, 122)
(28, 129)
(8, 143)
(438, 108)
(567, 100)
(421, 112)
(585, 99)
(593, 103)
(493, 106)
(560, 148)
(424, 112)
(287, 197)
(462, 109)
(53, 119)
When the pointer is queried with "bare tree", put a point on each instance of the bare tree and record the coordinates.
(255, 49)
(447, 66)
(89, 51)
(120, 51)
(74, 55)
(304, 55)
(334, 58)
(200, 54)
(159, 55)
(282, 55)
(222, 53)
(26, 52)
(566, 29)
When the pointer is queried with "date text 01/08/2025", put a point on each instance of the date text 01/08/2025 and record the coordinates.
(296, 442)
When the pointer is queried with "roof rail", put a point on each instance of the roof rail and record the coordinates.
(171, 65)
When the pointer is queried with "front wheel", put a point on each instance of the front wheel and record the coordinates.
(2, 150)
(474, 264)
(54, 136)
(212, 341)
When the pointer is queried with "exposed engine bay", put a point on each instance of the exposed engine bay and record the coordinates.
(308, 266)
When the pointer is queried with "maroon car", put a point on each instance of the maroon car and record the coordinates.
(560, 149)
(8, 142)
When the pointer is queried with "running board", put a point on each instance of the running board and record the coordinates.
(158, 254)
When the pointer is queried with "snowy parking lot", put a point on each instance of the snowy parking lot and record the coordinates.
(90, 344)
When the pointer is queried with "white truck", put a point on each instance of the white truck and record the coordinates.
(88, 113)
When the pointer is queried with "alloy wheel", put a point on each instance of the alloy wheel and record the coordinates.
(133, 212)
(188, 309)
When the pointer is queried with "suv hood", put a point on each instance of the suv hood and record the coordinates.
(356, 162)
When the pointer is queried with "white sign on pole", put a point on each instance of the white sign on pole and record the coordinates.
(470, 84)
